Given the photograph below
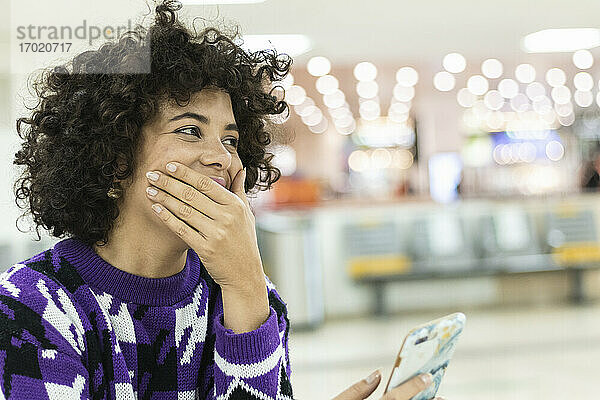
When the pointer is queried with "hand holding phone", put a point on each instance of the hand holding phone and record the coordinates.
(364, 388)
(427, 348)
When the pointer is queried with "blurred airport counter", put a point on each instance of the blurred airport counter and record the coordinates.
(343, 258)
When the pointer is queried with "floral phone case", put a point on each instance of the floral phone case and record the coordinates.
(427, 348)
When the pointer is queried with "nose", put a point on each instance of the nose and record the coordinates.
(214, 153)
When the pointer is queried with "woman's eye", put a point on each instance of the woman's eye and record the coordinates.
(234, 142)
(195, 130)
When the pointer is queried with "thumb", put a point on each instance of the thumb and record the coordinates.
(362, 389)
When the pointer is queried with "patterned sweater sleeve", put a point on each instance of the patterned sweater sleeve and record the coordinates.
(255, 364)
(38, 351)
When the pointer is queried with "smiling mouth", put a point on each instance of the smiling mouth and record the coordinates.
(220, 181)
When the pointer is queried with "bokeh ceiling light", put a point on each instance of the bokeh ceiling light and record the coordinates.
(542, 105)
(369, 110)
(327, 84)
(535, 90)
(398, 118)
(583, 81)
(520, 103)
(295, 95)
(367, 89)
(335, 99)
(454, 63)
(407, 76)
(563, 110)
(381, 158)
(404, 93)
(556, 77)
(583, 59)
(347, 130)
(493, 100)
(340, 112)
(365, 71)
(525, 73)
(444, 81)
(555, 150)
(320, 127)
(508, 88)
(358, 160)
(561, 94)
(399, 108)
(583, 99)
(344, 122)
(492, 68)
(402, 159)
(477, 85)
(314, 117)
(318, 66)
(465, 98)
(301, 109)
(561, 40)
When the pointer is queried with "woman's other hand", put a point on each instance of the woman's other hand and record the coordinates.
(364, 388)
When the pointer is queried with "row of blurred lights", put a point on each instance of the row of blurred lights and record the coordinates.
(492, 68)
(380, 158)
(552, 106)
(525, 152)
(335, 99)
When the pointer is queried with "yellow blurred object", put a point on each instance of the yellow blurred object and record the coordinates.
(567, 210)
(369, 223)
(577, 253)
(373, 265)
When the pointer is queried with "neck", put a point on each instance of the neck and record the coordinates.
(149, 251)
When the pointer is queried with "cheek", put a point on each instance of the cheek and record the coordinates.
(162, 153)
(236, 165)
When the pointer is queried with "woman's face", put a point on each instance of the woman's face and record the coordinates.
(202, 135)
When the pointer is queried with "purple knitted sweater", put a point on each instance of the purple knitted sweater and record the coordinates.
(72, 326)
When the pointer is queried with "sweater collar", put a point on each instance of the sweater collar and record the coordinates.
(100, 274)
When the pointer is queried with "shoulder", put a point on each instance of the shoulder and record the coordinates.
(36, 308)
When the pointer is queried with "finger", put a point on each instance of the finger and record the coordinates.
(362, 389)
(237, 186)
(410, 388)
(181, 210)
(194, 239)
(186, 193)
(201, 182)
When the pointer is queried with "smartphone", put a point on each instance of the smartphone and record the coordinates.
(427, 348)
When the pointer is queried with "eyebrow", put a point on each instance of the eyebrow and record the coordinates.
(202, 118)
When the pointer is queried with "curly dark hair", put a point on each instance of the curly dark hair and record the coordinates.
(86, 128)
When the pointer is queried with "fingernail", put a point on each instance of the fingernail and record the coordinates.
(427, 379)
(171, 167)
(151, 191)
(156, 208)
(153, 176)
(371, 378)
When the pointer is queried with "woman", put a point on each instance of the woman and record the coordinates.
(158, 291)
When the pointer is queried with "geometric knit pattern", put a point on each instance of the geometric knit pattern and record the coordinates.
(74, 327)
